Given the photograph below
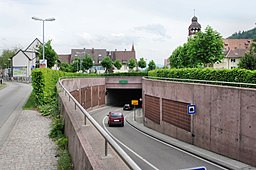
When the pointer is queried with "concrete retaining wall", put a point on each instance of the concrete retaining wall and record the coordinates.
(82, 154)
(225, 121)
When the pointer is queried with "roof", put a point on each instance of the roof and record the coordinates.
(64, 58)
(38, 41)
(22, 52)
(124, 55)
(237, 43)
(236, 53)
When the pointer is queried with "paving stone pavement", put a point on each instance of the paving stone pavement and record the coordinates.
(28, 146)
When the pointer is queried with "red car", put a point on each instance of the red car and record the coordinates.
(115, 118)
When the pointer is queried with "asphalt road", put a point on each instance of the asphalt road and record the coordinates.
(12, 98)
(147, 152)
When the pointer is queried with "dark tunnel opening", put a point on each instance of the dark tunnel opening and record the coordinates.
(119, 97)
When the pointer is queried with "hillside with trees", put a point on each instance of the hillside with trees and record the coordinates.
(250, 34)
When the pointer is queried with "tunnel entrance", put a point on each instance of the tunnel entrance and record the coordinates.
(119, 97)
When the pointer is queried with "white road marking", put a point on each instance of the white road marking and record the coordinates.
(127, 146)
(177, 148)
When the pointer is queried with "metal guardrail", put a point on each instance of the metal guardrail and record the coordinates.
(233, 84)
(128, 161)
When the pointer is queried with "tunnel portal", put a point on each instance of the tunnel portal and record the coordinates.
(119, 97)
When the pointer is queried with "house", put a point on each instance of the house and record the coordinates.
(25, 60)
(234, 50)
(97, 56)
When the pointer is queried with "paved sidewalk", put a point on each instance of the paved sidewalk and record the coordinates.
(28, 146)
(221, 160)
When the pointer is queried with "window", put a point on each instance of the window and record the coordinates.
(233, 67)
(233, 60)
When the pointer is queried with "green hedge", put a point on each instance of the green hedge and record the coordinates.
(233, 75)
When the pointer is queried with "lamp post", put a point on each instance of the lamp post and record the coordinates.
(47, 19)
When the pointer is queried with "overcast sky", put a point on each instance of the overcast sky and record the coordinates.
(156, 27)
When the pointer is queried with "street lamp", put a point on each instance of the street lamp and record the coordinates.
(47, 19)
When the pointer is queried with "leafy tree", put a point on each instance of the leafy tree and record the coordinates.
(142, 63)
(5, 58)
(131, 63)
(201, 50)
(151, 65)
(206, 48)
(249, 59)
(50, 55)
(76, 65)
(65, 67)
(107, 63)
(118, 64)
(87, 62)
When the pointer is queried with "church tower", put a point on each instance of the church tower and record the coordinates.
(194, 27)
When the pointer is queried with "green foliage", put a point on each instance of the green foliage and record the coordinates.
(65, 67)
(30, 103)
(50, 55)
(87, 62)
(6, 57)
(142, 63)
(57, 128)
(118, 64)
(64, 162)
(127, 74)
(248, 61)
(151, 65)
(107, 63)
(250, 34)
(201, 50)
(131, 63)
(233, 75)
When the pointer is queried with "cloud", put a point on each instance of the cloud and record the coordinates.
(156, 29)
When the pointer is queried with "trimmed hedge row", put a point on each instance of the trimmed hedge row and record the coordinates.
(233, 75)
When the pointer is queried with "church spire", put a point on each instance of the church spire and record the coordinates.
(194, 26)
(133, 47)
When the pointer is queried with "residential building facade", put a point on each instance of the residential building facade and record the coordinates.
(234, 50)
(25, 60)
(98, 55)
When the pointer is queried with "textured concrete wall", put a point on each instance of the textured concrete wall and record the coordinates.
(82, 155)
(225, 121)
(133, 82)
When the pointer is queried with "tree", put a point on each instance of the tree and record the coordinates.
(76, 65)
(5, 58)
(206, 48)
(249, 59)
(65, 67)
(202, 49)
(107, 63)
(132, 63)
(118, 64)
(151, 65)
(87, 62)
(50, 55)
(142, 63)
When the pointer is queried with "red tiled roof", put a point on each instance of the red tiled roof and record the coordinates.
(64, 58)
(237, 43)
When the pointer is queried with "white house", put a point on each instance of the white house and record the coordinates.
(25, 60)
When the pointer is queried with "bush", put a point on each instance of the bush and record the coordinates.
(234, 75)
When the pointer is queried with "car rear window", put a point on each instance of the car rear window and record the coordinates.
(116, 114)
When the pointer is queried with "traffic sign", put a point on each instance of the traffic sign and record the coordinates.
(191, 109)
(135, 102)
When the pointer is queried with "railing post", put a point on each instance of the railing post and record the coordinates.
(75, 105)
(106, 147)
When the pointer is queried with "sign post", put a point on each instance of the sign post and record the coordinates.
(134, 103)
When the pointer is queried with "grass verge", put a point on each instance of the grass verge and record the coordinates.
(2, 86)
